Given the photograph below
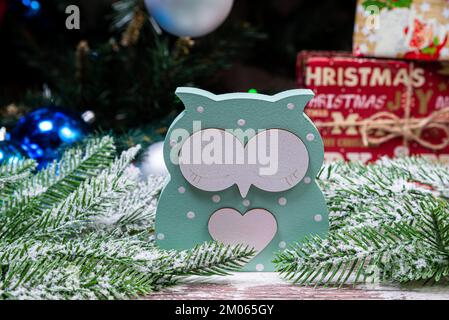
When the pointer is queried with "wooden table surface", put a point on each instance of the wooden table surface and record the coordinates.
(265, 286)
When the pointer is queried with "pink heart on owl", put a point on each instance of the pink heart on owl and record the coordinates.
(255, 229)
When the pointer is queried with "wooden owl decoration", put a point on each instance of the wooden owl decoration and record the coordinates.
(242, 171)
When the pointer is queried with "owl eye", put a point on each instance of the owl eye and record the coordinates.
(292, 160)
(274, 160)
(203, 159)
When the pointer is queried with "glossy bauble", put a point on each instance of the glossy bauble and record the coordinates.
(42, 132)
(189, 18)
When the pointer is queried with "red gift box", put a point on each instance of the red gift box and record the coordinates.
(369, 108)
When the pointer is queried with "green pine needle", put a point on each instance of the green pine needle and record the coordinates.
(83, 229)
(389, 221)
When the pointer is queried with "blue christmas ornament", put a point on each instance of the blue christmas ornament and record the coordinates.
(33, 7)
(10, 152)
(42, 132)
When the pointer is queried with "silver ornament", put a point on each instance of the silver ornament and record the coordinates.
(189, 18)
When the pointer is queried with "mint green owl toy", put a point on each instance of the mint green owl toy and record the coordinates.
(242, 171)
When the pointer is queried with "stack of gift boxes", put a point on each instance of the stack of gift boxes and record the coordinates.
(390, 96)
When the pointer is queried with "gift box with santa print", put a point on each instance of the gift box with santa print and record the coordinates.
(369, 108)
(406, 29)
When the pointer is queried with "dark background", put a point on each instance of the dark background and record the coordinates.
(37, 50)
(290, 26)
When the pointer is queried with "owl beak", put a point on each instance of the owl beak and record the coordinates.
(244, 188)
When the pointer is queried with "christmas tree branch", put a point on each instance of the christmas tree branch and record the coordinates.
(60, 178)
(12, 173)
(92, 240)
(385, 223)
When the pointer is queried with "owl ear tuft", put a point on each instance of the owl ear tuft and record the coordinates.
(295, 99)
(192, 98)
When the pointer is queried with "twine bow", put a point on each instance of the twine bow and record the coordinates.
(410, 129)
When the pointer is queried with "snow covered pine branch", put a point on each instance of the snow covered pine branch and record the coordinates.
(389, 221)
(82, 229)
